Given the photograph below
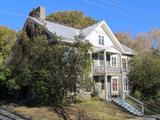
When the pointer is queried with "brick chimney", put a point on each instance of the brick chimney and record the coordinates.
(38, 13)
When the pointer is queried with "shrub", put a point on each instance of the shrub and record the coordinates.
(138, 94)
(40, 93)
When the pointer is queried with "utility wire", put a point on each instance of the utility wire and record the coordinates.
(130, 9)
(120, 12)
(133, 8)
(12, 13)
(123, 7)
(101, 6)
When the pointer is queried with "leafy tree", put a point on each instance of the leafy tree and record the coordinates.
(74, 19)
(141, 40)
(48, 72)
(7, 40)
(144, 73)
(155, 35)
(125, 38)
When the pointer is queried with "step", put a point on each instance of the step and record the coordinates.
(125, 105)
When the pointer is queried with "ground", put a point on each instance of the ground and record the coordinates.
(84, 110)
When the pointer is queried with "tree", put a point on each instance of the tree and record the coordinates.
(146, 41)
(155, 35)
(144, 74)
(7, 40)
(136, 43)
(45, 72)
(125, 38)
(74, 19)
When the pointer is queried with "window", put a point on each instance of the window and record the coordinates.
(124, 63)
(126, 84)
(114, 61)
(101, 40)
(102, 84)
(114, 84)
(101, 59)
(108, 59)
(94, 56)
(101, 79)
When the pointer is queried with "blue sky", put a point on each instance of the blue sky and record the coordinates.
(132, 16)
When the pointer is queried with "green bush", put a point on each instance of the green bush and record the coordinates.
(40, 92)
(138, 94)
(95, 92)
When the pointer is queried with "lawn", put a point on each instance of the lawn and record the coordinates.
(84, 110)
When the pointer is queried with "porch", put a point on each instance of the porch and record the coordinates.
(111, 87)
(107, 62)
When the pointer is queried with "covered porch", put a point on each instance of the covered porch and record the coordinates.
(110, 87)
(108, 61)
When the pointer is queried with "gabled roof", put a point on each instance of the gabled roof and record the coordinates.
(66, 31)
(59, 29)
(70, 33)
(112, 36)
(62, 30)
(88, 29)
(127, 50)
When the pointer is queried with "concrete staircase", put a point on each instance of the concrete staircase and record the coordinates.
(127, 106)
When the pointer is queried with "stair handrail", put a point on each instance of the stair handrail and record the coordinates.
(138, 101)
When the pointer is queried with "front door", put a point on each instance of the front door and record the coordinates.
(115, 88)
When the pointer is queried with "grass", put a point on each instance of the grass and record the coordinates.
(93, 109)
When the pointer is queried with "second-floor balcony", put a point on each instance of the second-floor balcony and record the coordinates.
(109, 69)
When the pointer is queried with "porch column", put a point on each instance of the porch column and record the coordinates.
(122, 79)
(105, 76)
(122, 88)
(105, 63)
(91, 74)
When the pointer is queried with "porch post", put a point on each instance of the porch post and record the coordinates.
(122, 79)
(91, 74)
(122, 94)
(105, 76)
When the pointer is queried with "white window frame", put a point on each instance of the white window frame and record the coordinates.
(101, 61)
(114, 61)
(126, 84)
(101, 39)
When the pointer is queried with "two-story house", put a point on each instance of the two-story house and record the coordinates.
(109, 57)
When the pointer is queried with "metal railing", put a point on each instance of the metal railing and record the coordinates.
(137, 101)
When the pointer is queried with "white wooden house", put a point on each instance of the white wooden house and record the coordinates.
(109, 57)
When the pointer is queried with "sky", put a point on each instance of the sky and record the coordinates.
(132, 16)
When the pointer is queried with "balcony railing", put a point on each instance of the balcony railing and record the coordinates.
(98, 69)
(109, 69)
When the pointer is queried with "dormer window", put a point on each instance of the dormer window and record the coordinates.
(101, 40)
